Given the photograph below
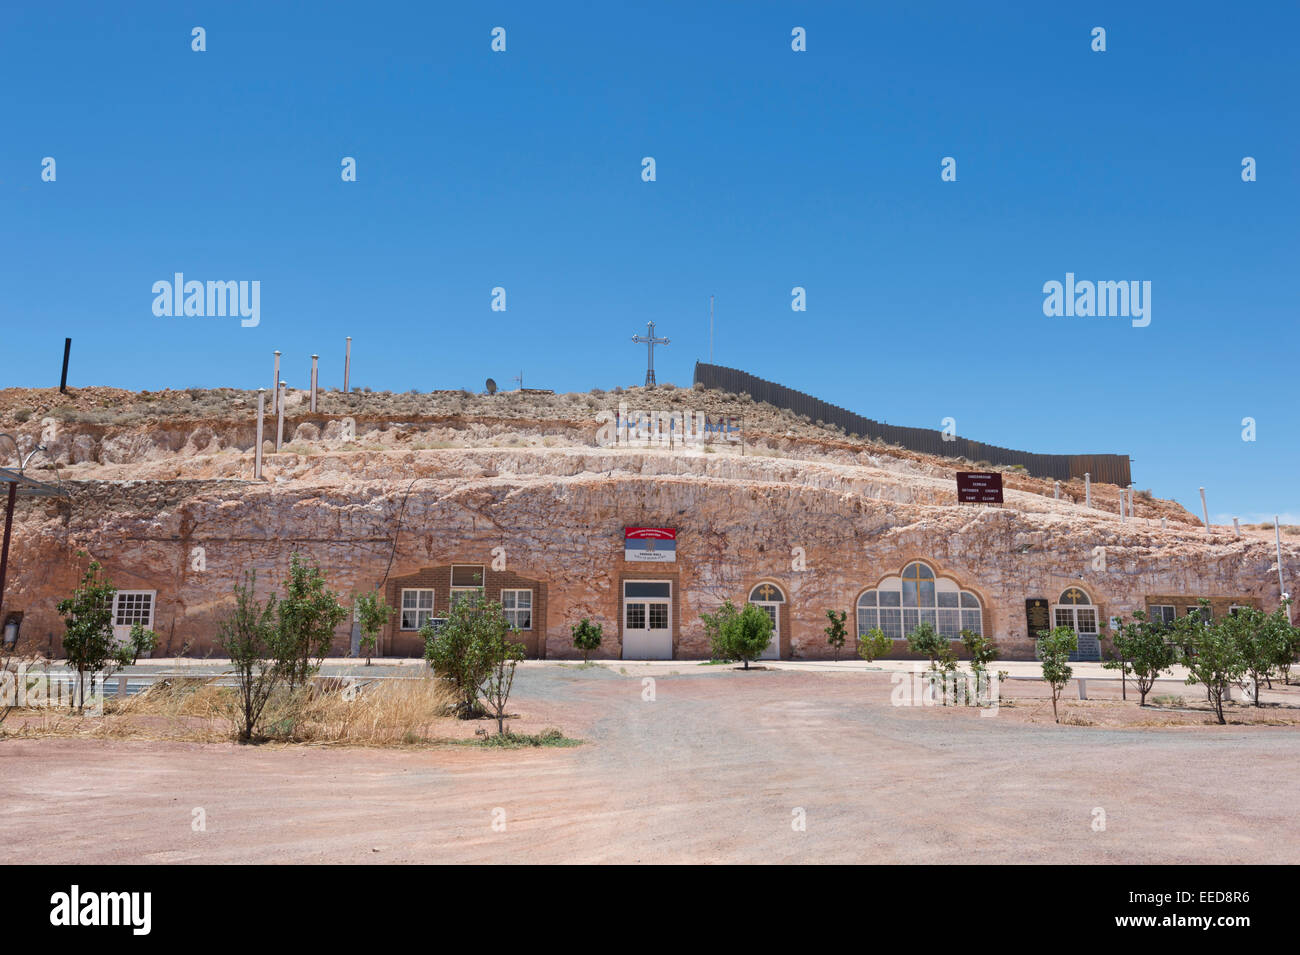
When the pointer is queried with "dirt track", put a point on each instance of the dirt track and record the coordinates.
(711, 771)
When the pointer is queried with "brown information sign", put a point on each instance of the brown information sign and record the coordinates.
(1036, 618)
(979, 487)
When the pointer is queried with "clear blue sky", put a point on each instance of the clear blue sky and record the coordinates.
(775, 169)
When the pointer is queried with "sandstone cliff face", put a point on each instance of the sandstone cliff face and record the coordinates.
(854, 514)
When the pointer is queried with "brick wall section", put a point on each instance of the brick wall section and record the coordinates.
(408, 643)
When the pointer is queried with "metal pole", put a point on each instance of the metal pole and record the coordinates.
(261, 412)
(4, 553)
(1087, 490)
(1236, 526)
(67, 351)
(1057, 490)
(1205, 511)
(347, 364)
(1277, 539)
(1121, 505)
(314, 369)
(279, 428)
(275, 382)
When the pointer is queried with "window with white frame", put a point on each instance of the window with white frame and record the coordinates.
(466, 582)
(1162, 613)
(1207, 617)
(133, 606)
(417, 607)
(517, 605)
(898, 605)
(1075, 610)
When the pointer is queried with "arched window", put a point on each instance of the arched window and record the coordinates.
(899, 604)
(1076, 611)
(768, 598)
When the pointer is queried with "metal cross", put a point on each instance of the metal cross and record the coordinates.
(650, 341)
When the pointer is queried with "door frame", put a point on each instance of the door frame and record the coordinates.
(624, 600)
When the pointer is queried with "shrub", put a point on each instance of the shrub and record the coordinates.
(308, 614)
(874, 644)
(1212, 654)
(739, 635)
(88, 617)
(464, 651)
(246, 635)
(1143, 651)
(1054, 649)
(586, 637)
(928, 642)
(835, 633)
(373, 613)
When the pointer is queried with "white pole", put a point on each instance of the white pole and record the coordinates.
(347, 364)
(1236, 526)
(279, 428)
(1164, 523)
(1057, 490)
(1087, 490)
(314, 368)
(1121, 505)
(1281, 587)
(1205, 511)
(275, 391)
(261, 412)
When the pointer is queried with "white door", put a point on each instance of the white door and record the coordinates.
(773, 610)
(647, 620)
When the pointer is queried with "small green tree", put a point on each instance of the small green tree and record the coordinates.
(1213, 657)
(88, 643)
(874, 644)
(459, 652)
(928, 642)
(983, 651)
(1054, 649)
(142, 641)
(1253, 633)
(246, 635)
(502, 655)
(715, 624)
(742, 635)
(1144, 652)
(836, 633)
(586, 637)
(1285, 642)
(308, 614)
(373, 614)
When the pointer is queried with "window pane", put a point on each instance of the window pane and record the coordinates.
(866, 620)
(466, 575)
(968, 599)
(868, 599)
(1064, 617)
(950, 622)
(891, 624)
(889, 598)
(927, 593)
(970, 620)
(1087, 618)
(647, 588)
(909, 593)
(910, 620)
(947, 598)
(524, 598)
(636, 616)
(658, 616)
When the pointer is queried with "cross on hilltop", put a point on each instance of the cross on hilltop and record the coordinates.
(650, 341)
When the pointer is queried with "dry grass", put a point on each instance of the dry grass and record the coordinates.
(373, 713)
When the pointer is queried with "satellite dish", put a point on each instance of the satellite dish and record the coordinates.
(491, 387)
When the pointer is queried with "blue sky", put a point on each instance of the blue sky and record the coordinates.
(775, 169)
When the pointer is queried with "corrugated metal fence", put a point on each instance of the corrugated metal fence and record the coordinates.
(1104, 468)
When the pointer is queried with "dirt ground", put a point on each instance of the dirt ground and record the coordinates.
(716, 768)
